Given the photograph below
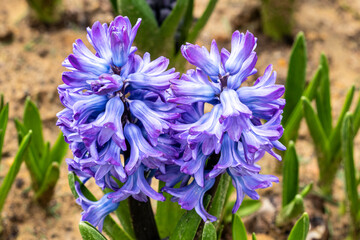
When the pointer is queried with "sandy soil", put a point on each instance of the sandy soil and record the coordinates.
(30, 65)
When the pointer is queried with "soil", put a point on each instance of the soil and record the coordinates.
(30, 65)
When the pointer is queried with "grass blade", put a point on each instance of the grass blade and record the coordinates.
(347, 138)
(301, 228)
(296, 77)
(14, 169)
(238, 228)
(209, 232)
(89, 232)
(290, 175)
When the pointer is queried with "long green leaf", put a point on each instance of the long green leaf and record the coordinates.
(253, 236)
(218, 202)
(247, 207)
(238, 228)
(301, 228)
(46, 189)
(296, 77)
(290, 175)
(323, 103)
(357, 117)
(347, 140)
(32, 121)
(317, 132)
(59, 150)
(123, 214)
(4, 116)
(114, 4)
(335, 134)
(89, 232)
(306, 190)
(14, 169)
(292, 125)
(167, 214)
(169, 27)
(188, 224)
(111, 228)
(209, 232)
(30, 159)
(194, 32)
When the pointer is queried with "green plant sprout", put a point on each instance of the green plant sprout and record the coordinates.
(292, 201)
(326, 138)
(42, 161)
(351, 183)
(45, 11)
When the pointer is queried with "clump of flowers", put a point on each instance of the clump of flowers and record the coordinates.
(129, 119)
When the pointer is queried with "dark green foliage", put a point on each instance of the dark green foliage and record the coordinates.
(45, 11)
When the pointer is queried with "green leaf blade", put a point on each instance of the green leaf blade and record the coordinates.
(89, 232)
(301, 228)
(238, 228)
(296, 77)
(14, 169)
(290, 175)
(4, 116)
(209, 232)
(59, 150)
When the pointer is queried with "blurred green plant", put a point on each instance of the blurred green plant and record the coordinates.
(45, 11)
(295, 88)
(326, 138)
(292, 201)
(164, 39)
(277, 18)
(42, 161)
(15, 166)
(351, 181)
(298, 232)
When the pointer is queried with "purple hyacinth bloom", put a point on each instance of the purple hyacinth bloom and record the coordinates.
(116, 118)
(243, 124)
(95, 211)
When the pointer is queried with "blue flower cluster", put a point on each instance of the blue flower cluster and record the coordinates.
(128, 119)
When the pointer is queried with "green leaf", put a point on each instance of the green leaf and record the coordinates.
(253, 236)
(111, 228)
(290, 175)
(59, 150)
(169, 27)
(317, 132)
(123, 214)
(30, 160)
(148, 32)
(357, 117)
(185, 27)
(4, 116)
(290, 211)
(167, 214)
(32, 121)
(347, 140)
(248, 206)
(194, 32)
(209, 232)
(46, 189)
(306, 190)
(335, 137)
(238, 228)
(217, 205)
(323, 103)
(14, 169)
(301, 228)
(89, 232)
(114, 4)
(296, 77)
(188, 224)
(292, 125)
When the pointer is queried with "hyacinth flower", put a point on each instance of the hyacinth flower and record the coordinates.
(244, 123)
(116, 119)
